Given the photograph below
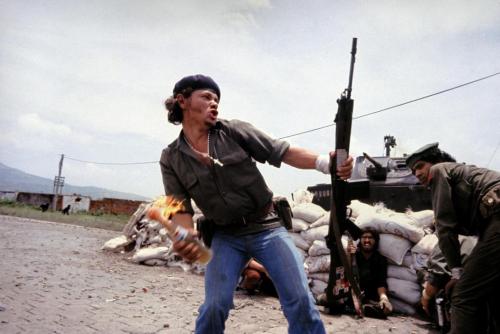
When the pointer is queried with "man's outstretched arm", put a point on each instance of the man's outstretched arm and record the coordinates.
(304, 159)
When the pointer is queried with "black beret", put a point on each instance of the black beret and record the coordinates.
(421, 153)
(195, 82)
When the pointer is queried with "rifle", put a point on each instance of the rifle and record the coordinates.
(342, 284)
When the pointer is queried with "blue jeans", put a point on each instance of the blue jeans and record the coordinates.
(275, 250)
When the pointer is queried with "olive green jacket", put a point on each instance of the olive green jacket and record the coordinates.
(457, 192)
(438, 272)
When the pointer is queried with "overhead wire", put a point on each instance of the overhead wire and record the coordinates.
(397, 105)
(112, 163)
(427, 96)
(328, 125)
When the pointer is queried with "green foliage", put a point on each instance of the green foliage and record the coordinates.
(105, 221)
(11, 203)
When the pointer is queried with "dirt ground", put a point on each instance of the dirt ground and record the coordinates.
(55, 279)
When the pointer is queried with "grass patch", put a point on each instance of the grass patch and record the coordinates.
(104, 221)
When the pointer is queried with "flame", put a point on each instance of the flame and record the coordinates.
(168, 206)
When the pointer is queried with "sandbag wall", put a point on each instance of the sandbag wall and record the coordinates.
(148, 243)
(406, 240)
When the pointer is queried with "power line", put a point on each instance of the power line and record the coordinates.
(307, 131)
(325, 126)
(427, 96)
(397, 105)
(112, 163)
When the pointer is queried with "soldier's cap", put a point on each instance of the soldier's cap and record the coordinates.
(196, 82)
(421, 154)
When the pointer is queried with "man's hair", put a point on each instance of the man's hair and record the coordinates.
(374, 234)
(174, 109)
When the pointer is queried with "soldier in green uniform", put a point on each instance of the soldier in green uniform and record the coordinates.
(465, 200)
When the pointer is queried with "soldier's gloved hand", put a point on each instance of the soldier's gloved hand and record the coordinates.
(385, 305)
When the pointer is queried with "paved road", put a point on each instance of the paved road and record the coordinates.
(55, 279)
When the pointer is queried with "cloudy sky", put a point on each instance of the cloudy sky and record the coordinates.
(88, 79)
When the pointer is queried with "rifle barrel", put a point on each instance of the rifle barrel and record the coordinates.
(351, 70)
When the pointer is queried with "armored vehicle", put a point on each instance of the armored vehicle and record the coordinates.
(381, 179)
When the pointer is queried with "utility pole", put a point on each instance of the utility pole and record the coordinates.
(389, 141)
(58, 184)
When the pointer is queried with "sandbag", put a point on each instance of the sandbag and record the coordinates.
(408, 261)
(319, 276)
(358, 208)
(393, 247)
(151, 245)
(302, 196)
(318, 287)
(401, 272)
(116, 244)
(407, 291)
(400, 306)
(300, 242)
(299, 225)
(420, 261)
(302, 253)
(318, 248)
(135, 218)
(321, 248)
(309, 212)
(422, 219)
(393, 223)
(323, 220)
(315, 264)
(144, 254)
(155, 262)
(316, 233)
(426, 244)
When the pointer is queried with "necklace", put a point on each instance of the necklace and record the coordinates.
(205, 156)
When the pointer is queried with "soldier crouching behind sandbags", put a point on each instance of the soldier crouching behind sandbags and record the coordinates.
(372, 270)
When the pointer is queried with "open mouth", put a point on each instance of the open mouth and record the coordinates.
(213, 114)
(368, 244)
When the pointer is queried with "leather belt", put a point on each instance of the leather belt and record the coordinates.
(260, 216)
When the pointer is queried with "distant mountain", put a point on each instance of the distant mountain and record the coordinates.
(12, 179)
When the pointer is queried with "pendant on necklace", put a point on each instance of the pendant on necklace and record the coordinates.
(216, 161)
(205, 155)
